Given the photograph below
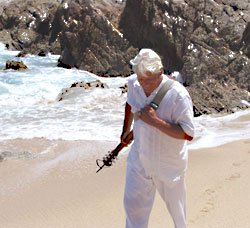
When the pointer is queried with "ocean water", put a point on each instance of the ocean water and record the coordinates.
(29, 107)
(216, 130)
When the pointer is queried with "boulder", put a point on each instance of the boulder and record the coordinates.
(78, 87)
(88, 85)
(15, 65)
(211, 96)
(21, 54)
(124, 88)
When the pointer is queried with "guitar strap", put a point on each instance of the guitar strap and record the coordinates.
(158, 97)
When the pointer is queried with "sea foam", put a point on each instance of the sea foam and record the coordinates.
(215, 130)
(30, 109)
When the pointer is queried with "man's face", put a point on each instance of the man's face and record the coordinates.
(150, 82)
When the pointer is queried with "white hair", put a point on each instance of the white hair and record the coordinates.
(146, 61)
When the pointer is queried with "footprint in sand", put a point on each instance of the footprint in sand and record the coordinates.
(233, 177)
(205, 209)
(209, 191)
(236, 164)
(210, 202)
(209, 206)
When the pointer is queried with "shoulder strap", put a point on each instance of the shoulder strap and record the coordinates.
(158, 97)
(161, 93)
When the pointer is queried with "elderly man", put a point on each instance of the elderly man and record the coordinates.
(158, 156)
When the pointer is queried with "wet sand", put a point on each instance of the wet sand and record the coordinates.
(53, 184)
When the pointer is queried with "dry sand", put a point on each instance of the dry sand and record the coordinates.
(59, 187)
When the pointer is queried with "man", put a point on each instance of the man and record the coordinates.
(158, 156)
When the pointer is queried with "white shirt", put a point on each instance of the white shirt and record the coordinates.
(159, 154)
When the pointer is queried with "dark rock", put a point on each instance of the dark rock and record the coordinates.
(111, 9)
(15, 65)
(88, 85)
(42, 53)
(206, 40)
(78, 87)
(212, 96)
(89, 41)
(124, 88)
(22, 54)
(26, 25)
(64, 65)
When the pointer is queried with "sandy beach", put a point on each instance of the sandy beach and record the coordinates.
(53, 184)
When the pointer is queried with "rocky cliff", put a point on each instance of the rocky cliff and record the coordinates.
(208, 41)
(27, 25)
(90, 41)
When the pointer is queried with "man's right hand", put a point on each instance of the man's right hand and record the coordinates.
(127, 137)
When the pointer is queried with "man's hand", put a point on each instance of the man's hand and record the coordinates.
(123, 137)
(148, 115)
(127, 137)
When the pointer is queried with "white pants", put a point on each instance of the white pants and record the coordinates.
(139, 197)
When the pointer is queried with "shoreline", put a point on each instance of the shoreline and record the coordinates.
(61, 189)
